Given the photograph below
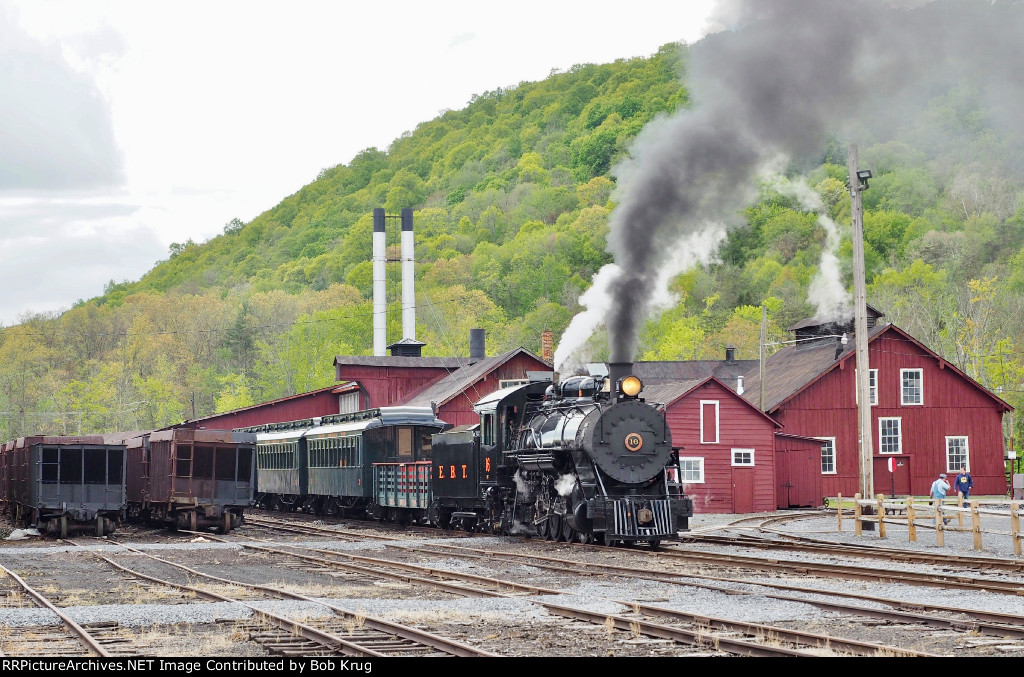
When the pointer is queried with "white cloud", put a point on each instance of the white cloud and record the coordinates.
(218, 110)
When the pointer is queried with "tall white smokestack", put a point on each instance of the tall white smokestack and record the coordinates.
(380, 317)
(408, 277)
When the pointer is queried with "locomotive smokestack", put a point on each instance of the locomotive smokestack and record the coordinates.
(379, 301)
(408, 277)
(618, 371)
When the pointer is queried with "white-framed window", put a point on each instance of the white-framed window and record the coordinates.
(828, 455)
(957, 453)
(743, 457)
(890, 435)
(911, 386)
(709, 421)
(692, 470)
(872, 386)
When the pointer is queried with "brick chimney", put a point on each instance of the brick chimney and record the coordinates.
(547, 350)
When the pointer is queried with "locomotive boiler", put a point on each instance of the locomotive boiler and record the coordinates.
(584, 460)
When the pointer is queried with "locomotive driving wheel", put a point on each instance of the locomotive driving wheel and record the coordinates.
(548, 527)
(568, 534)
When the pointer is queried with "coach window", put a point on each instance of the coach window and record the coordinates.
(425, 441)
(405, 442)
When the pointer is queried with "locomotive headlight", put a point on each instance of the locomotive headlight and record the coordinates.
(631, 386)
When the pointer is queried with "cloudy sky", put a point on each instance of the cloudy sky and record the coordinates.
(126, 126)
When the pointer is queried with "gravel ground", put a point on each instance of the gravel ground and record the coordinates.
(446, 613)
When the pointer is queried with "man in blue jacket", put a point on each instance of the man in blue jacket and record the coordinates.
(963, 483)
(938, 492)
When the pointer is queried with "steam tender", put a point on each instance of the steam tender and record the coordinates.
(586, 460)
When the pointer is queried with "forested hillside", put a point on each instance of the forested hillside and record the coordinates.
(512, 196)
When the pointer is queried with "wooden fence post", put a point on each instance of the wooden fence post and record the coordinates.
(1015, 527)
(881, 515)
(975, 523)
(940, 535)
(839, 511)
(856, 514)
(911, 525)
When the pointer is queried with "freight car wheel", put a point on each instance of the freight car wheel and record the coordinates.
(193, 520)
(63, 526)
(225, 526)
(100, 526)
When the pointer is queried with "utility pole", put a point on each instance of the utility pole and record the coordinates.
(858, 182)
(764, 337)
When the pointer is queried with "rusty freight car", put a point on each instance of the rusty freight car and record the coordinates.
(191, 479)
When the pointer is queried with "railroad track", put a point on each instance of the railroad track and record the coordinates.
(748, 639)
(804, 544)
(362, 636)
(67, 639)
(932, 615)
(967, 581)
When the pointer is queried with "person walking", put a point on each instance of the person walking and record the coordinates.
(938, 493)
(963, 483)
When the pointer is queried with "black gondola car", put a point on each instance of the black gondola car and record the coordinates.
(66, 485)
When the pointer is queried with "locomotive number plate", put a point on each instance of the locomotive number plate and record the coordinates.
(634, 441)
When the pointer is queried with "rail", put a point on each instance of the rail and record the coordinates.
(916, 512)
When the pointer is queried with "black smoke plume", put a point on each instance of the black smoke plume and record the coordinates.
(775, 83)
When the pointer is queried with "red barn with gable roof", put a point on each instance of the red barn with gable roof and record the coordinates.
(927, 416)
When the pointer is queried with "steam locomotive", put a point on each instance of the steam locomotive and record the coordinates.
(584, 460)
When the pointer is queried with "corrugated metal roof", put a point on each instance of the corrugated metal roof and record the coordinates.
(667, 393)
(463, 379)
(670, 372)
(335, 389)
(793, 368)
(404, 362)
